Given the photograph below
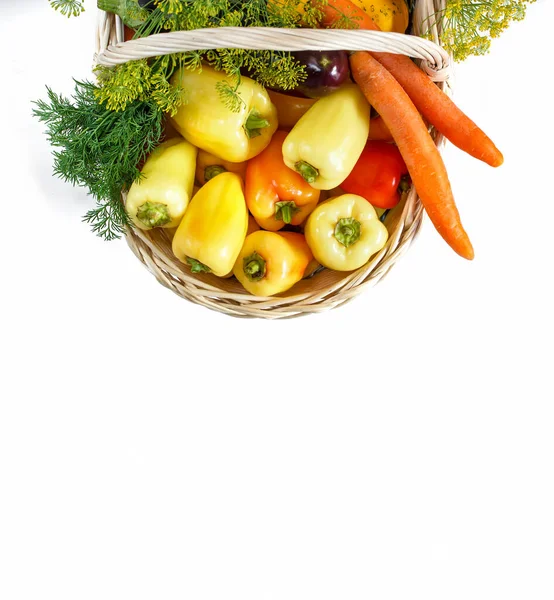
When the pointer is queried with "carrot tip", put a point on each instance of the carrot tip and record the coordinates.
(467, 253)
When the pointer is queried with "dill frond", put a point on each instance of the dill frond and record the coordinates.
(108, 220)
(99, 148)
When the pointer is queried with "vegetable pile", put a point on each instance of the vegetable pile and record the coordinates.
(261, 165)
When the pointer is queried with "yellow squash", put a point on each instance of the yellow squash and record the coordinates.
(161, 196)
(214, 227)
(210, 124)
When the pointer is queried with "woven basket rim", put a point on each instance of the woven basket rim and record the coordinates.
(322, 291)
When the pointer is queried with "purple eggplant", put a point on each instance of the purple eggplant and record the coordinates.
(326, 71)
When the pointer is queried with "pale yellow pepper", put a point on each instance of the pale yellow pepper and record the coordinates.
(161, 196)
(345, 232)
(214, 226)
(327, 141)
(207, 122)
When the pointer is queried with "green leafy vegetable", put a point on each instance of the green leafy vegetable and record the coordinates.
(100, 149)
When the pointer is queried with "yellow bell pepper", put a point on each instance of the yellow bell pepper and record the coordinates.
(161, 196)
(345, 232)
(209, 124)
(272, 262)
(208, 166)
(327, 141)
(213, 229)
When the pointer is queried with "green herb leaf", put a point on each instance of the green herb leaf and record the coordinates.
(100, 149)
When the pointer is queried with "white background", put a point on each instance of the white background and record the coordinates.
(398, 447)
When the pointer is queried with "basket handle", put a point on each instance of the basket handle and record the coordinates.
(435, 60)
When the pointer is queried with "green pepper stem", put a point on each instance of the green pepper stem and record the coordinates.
(254, 123)
(153, 214)
(347, 231)
(404, 184)
(254, 266)
(284, 211)
(212, 170)
(197, 267)
(309, 173)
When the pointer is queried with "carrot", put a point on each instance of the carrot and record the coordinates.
(440, 111)
(431, 101)
(418, 150)
(378, 130)
(334, 10)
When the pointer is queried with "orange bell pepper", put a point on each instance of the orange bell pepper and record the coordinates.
(289, 108)
(275, 194)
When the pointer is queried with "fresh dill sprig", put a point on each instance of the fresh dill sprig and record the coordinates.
(100, 149)
(141, 80)
(466, 27)
(123, 85)
(270, 68)
(69, 8)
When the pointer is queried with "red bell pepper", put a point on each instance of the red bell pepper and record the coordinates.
(377, 174)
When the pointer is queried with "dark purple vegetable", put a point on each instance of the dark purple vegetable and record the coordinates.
(325, 70)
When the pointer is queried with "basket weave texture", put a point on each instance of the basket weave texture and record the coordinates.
(326, 289)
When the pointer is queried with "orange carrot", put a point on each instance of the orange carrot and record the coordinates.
(418, 150)
(334, 10)
(378, 130)
(440, 111)
(431, 101)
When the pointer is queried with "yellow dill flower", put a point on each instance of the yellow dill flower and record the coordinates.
(123, 84)
(170, 6)
(466, 27)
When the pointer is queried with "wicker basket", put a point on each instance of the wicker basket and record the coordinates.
(325, 289)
